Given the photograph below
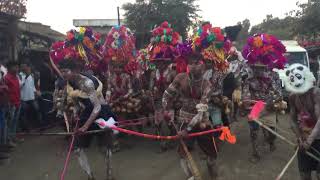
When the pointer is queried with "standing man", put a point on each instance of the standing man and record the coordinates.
(4, 149)
(261, 83)
(28, 91)
(193, 115)
(87, 90)
(11, 79)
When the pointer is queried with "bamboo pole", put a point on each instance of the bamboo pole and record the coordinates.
(194, 168)
(287, 165)
(285, 139)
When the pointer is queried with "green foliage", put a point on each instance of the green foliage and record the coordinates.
(143, 15)
(13, 7)
(309, 19)
(243, 34)
(301, 23)
(282, 28)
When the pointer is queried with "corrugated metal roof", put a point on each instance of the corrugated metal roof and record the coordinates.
(41, 30)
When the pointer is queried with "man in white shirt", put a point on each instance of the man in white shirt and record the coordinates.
(28, 92)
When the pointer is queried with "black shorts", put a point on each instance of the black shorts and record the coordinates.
(307, 163)
(104, 138)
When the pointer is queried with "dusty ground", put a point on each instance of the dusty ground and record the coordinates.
(42, 158)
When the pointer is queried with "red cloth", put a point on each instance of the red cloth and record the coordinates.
(12, 81)
(181, 65)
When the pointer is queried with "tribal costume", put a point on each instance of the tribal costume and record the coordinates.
(119, 91)
(216, 106)
(194, 93)
(119, 51)
(161, 52)
(84, 92)
(304, 102)
(225, 84)
(262, 85)
(159, 82)
(214, 46)
(263, 53)
(79, 95)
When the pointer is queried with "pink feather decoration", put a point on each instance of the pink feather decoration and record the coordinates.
(256, 110)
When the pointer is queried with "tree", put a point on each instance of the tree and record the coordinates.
(281, 28)
(308, 19)
(143, 15)
(244, 33)
(14, 7)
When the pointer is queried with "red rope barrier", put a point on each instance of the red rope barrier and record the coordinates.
(67, 158)
(66, 163)
(150, 136)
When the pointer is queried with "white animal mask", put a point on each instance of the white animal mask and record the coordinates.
(297, 78)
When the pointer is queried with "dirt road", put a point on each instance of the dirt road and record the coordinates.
(42, 158)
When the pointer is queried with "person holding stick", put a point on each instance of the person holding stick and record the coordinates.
(194, 91)
(304, 102)
(263, 53)
(87, 90)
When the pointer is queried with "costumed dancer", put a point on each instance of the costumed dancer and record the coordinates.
(304, 103)
(214, 48)
(147, 69)
(194, 92)
(120, 51)
(82, 92)
(162, 51)
(232, 82)
(263, 53)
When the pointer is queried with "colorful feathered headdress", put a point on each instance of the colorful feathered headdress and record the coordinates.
(163, 42)
(212, 44)
(82, 45)
(119, 46)
(265, 49)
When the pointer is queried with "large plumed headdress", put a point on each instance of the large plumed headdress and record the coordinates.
(265, 49)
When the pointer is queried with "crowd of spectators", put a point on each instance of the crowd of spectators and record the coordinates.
(25, 102)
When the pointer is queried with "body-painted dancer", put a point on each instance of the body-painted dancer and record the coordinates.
(194, 93)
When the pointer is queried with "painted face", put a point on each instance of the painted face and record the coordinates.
(196, 67)
(161, 65)
(297, 78)
(117, 67)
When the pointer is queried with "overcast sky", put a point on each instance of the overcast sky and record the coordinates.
(59, 13)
